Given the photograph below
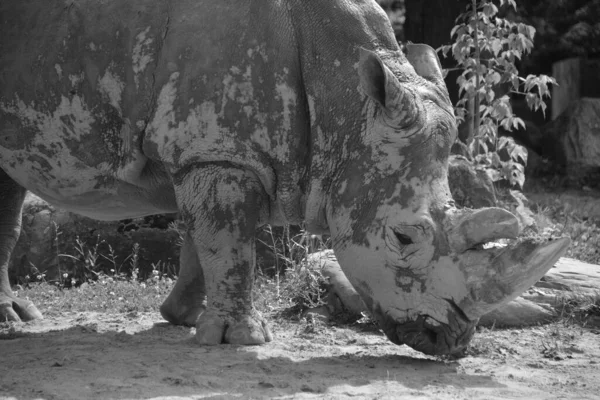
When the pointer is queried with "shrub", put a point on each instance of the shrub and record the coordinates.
(486, 49)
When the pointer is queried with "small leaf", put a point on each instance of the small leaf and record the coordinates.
(496, 46)
(496, 162)
(493, 174)
(515, 82)
(518, 122)
(502, 142)
(490, 9)
(455, 30)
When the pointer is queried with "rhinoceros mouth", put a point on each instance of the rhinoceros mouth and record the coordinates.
(429, 336)
(497, 244)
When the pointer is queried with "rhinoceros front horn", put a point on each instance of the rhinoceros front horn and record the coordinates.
(380, 84)
(496, 275)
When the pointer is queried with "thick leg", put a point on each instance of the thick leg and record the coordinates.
(223, 206)
(11, 202)
(187, 300)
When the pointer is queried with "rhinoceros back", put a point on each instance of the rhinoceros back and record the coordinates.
(76, 91)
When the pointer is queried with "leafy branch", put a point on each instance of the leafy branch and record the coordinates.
(486, 49)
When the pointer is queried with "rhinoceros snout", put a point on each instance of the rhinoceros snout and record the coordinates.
(427, 335)
(434, 340)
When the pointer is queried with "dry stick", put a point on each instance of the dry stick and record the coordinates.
(478, 59)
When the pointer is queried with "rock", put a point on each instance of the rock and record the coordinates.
(469, 186)
(573, 139)
(536, 165)
(570, 275)
(519, 312)
(318, 313)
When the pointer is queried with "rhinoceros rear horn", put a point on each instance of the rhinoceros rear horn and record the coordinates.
(468, 228)
(380, 84)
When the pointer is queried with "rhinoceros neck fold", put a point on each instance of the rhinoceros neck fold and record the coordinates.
(329, 36)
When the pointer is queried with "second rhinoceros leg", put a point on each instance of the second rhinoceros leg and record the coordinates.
(223, 206)
(11, 201)
(187, 300)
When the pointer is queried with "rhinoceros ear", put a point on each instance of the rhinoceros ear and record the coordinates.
(380, 84)
(425, 61)
(374, 76)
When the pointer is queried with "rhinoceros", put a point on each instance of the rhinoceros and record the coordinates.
(241, 113)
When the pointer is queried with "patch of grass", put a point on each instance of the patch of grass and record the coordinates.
(484, 343)
(553, 215)
(580, 309)
(111, 294)
(554, 218)
(295, 287)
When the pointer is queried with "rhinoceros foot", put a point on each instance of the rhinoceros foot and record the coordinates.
(213, 329)
(14, 309)
(187, 300)
(180, 313)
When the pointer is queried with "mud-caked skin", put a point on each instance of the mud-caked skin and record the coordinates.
(242, 113)
(188, 298)
(11, 200)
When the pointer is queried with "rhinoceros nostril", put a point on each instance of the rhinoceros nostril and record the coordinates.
(404, 240)
(430, 335)
(424, 339)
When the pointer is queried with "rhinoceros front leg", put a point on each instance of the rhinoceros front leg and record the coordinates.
(222, 207)
(187, 300)
(11, 201)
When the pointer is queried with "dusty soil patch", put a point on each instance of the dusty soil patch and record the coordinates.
(136, 355)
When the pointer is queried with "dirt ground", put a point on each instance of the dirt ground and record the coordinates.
(137, 356)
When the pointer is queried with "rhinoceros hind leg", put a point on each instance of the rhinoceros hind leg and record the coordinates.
(187, 300)
(223, 206)
(11, 201)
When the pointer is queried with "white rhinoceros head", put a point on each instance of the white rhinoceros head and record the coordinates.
(418, 261)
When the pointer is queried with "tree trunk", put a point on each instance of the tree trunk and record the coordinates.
(431, 22)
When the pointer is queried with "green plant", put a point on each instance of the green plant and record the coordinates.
(295, 286)
(571, 219)
(487, 49)
(579, 308)
(86, 257)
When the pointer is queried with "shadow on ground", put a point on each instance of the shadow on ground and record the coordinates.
(94, 359)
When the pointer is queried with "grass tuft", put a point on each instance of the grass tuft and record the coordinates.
(107, 293)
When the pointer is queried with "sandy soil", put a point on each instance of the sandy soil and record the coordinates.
(135, 356)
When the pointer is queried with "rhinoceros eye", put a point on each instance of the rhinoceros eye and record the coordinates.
(404, 240)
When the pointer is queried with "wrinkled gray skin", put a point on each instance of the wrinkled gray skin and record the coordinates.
(242, 113)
